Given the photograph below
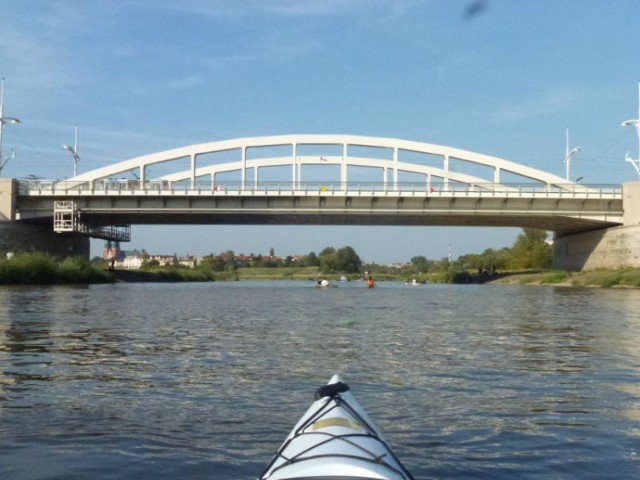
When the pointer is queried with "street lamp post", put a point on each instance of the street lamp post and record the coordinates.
(569, 154)
(4, 121)
(74, 153)
(634, 123)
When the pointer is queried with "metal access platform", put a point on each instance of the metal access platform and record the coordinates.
(67, 218)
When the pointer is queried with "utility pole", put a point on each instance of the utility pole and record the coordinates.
(74, 153)
(634, 123)
(569, 154)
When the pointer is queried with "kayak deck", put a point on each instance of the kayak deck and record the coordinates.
(335, 440)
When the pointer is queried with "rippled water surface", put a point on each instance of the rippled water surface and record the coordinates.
(170, 381)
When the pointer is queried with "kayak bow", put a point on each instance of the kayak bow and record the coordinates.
(334, 440)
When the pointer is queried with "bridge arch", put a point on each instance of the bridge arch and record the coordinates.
(347, 155)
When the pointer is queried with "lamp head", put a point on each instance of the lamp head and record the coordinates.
(6, 120)
(73, 152)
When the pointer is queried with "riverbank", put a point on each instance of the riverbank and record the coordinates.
(41, 269)
(622, 278)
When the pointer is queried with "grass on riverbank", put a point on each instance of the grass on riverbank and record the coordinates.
(42, 269)
(624, 277)
(280, 273)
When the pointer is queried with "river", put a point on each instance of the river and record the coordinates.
(205, 380)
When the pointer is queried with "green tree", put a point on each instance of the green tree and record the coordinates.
(347, 260)
(328, 262)
(419, 264)
(531, 250)
(490, 260)
(213, 263)
(229, 259)
(312, 260)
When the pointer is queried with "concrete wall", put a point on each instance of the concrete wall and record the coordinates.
(8, 198)
(612, 248)
(631, 203)
(19, 237)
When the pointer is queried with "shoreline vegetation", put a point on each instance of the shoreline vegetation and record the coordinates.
(38, 268)
(527, 262)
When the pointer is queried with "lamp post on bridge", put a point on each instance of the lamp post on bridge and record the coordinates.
(634, 123)
(74, 153)
(569, 154)
(4, 121)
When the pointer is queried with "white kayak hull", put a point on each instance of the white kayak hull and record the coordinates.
(335, 439)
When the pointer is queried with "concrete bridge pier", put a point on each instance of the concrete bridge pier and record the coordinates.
(23, 237)
(608, 248)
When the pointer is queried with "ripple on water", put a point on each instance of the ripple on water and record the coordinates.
(206, 380)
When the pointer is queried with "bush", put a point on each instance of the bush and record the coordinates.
(554, 277)
(37, 268)
(611, 280)
(632, 277)
(28, 268)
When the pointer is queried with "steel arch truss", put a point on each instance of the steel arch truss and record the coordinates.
(349, 151)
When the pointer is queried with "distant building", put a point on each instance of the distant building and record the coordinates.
(189, 261)
(133, 259)
(128, 259)
(163, 260)
(133, 262)
(112, 251)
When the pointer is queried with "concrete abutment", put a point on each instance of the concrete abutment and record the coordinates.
(610, 248)
(23, 237)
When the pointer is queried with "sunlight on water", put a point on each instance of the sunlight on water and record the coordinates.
(205, 380)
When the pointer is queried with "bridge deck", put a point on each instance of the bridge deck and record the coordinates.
(563, 211)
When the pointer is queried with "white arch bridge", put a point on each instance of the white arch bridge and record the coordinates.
(317, 179)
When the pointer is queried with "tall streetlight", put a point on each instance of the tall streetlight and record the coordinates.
(635, 123)
(74, 153)
(4, 121)
(569, 154)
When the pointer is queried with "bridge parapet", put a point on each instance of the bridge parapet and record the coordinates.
(70, 188)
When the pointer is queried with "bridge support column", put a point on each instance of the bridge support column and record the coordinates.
(8, 198)
(609, 248)
(22, 237)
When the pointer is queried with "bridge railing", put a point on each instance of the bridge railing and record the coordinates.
(59, 188)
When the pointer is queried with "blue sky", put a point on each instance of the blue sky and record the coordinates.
(141, 76)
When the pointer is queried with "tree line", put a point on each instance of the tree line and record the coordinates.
(529, 251)
(329, 260)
